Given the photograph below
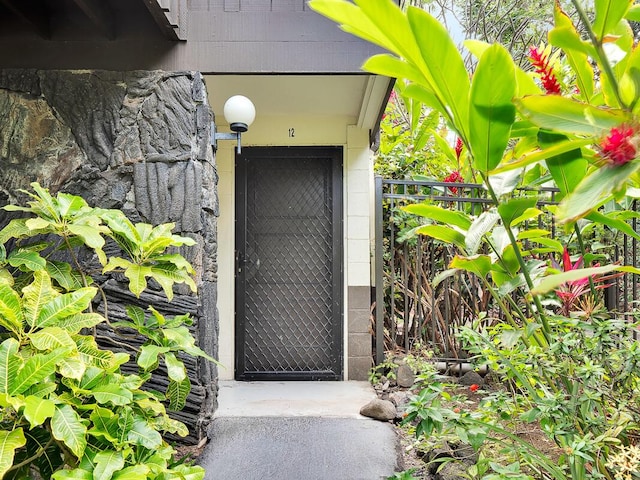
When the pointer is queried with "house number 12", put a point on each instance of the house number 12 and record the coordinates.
(292, 132)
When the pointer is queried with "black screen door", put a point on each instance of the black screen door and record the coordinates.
(289, 263)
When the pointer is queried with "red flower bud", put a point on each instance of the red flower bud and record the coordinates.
(475, 387)
(458, 148)
(453, 177)
(618, 147)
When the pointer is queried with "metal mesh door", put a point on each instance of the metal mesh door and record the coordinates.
(288, 265)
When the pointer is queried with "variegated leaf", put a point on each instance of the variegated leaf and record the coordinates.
(67, 426)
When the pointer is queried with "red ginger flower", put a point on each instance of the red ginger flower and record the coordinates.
(458, 148)
(454, 177)
(475, 387)
(618, 148)
(541, 63)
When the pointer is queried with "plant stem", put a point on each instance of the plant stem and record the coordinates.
(602, 57)
(583, 251)
(539, 311)
(27, 461)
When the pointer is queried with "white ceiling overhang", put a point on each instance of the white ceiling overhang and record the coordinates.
(358, 99)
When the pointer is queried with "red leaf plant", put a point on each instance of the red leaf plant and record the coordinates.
(572, 291)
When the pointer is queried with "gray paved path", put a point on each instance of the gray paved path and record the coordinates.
(285, 431)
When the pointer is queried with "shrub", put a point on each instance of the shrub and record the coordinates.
(68, 409)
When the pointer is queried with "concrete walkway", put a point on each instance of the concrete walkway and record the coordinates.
(297, 431)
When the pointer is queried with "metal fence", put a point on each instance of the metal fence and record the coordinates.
(410, 309)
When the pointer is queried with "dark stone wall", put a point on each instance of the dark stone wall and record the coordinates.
(136, 141)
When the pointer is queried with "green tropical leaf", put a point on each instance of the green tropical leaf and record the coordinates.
(176, 259)
(39, 224)
(44, 204)
(492, 111)
(514, 208)
(36, 294)
(181, 338)
(120, 224)
(72, 367)
(27, 259)
(137, 275)
(16, 228)
(62, 273)
(634, 13)
(65, 305)
(528, 214)
(423, 95)
(175, 368)
(77, 322)
(615, 223)
(608, 15)
(444, 234)
(51, 337)
(71, 205)
(114, 394)
(594, 190)
(36, 369)
(148, 357)
(125, 424)
(568, 168)
(390, 66)
(9, 443)
(107, 463)
(10, 363)
(11, 316)
(75, 474)
(136, 314)
(187, 472)
(536, 156)
(177, 393)
(37, 410)
(565, 36)
(142, 433)
(42, 389)
(105, 424)
(439, 214)
(92, 376)
(478, 264)
(551, 282)
(67, 427)
(551, 244)
(563, 114)
(533, 233)
(137, 472)
(167, 274)
(91, 354)
(442, 65)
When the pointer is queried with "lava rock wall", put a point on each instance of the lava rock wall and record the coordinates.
(136, 141)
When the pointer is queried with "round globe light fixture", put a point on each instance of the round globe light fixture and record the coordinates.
(239, 112)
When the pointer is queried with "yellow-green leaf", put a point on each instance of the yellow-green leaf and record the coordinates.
(67, 426)
(37, 410)
(9, 443)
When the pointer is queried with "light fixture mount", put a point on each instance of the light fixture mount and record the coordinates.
(239, 112)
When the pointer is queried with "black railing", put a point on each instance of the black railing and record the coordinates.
(409, 309)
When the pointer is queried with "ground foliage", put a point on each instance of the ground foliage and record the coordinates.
(68, 411)
(570, 365)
